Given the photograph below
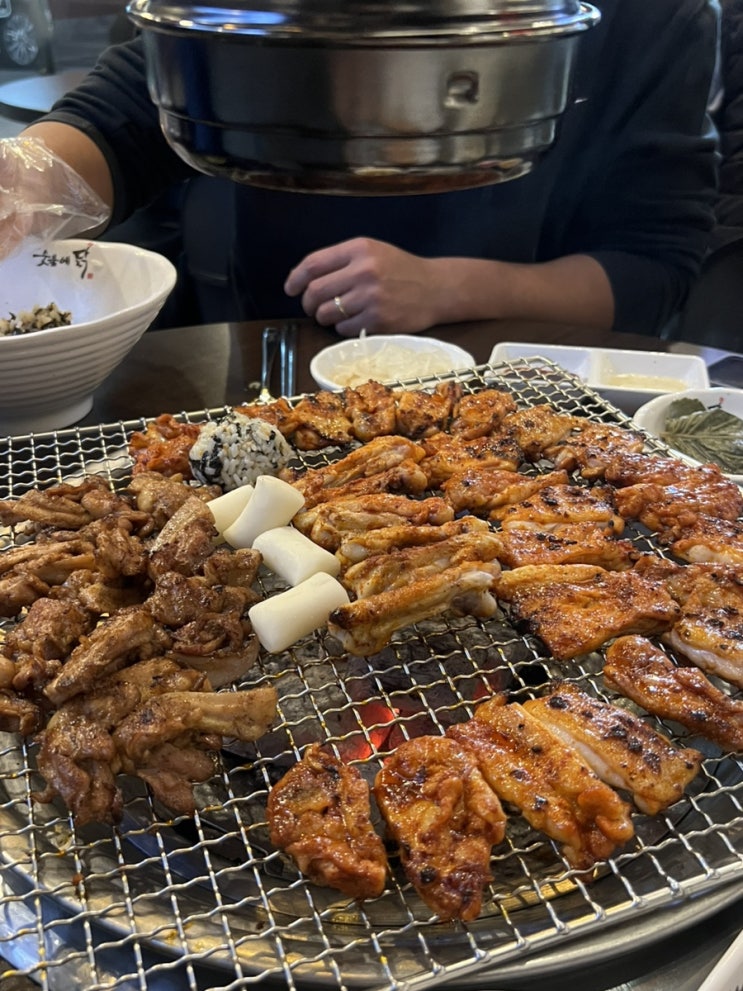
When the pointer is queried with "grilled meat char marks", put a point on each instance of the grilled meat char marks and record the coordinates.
(319, 814)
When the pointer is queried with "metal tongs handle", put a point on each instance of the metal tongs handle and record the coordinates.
(269, 350)
(288, 360)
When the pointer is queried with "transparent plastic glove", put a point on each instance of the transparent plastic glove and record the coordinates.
(41, 196)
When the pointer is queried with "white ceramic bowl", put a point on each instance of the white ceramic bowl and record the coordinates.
(385, 358)
(651, 417)
(113, 291)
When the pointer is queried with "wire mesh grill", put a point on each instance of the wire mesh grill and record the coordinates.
(205, 902)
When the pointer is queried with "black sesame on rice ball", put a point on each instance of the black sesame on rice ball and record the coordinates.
(236, 449)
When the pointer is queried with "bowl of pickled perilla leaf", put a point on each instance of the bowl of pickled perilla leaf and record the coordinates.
(704, 425)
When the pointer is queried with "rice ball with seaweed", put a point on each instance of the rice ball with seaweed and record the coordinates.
(235, 449)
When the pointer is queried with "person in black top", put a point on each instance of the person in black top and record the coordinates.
(607, 231)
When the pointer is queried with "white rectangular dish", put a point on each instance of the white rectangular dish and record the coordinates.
(628, 379)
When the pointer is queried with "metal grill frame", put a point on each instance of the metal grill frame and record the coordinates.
(207, 903)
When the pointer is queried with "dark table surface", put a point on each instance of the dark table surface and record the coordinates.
(193, 368)
(25, 100)
(203, 367)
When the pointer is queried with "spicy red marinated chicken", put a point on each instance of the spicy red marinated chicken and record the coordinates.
(479, 413)
(319, 814)
(642, 672)
(447, 454)
(567, 543)
(575, 608)
(445, 819)
(365, 626)
(556, 791)
(484, 491)
(555, 505)
(360, 546)
(623, 750)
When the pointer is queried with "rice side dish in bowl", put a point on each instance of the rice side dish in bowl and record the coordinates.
(112, 292)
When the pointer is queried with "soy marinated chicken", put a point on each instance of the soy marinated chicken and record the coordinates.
(447, 454)
(185, 542)
(709, 630)
(129, 636)
(329, 523)
(360, 546)
(575, 608)
(556, 791)
(445, 819)
(385, 572)
(420, 413)
(555, 505)
(365, 626)
(28, 572)
(486, 490)
(567, 543)
(63, 506)
(622, 749)
(479, 413)
(642, 672)
(319, 814)
(160, 497)
(378, 456)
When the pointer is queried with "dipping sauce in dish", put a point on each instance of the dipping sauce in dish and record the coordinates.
(634, 380)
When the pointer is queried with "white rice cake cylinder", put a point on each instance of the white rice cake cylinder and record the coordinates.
(292, 556)
(273, 503)
(285, 618)
(226, 508)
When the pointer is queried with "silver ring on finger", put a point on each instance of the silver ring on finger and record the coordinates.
(340, 307)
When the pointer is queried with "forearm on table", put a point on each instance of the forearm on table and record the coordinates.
(79, 152)
(573, 289)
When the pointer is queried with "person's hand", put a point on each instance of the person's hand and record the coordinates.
(368, 285)
(41, 196)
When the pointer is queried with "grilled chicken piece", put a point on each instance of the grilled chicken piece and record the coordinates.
(554, 505)
(365, 626)
(622, 749)
(28, 572)
(378, 456)
(18, 715)
(420, 413)
(185, 542)
(330, 522)
(526, 764)
(78, 757)
(486, 490)
(538, 428)
(63, 506)
(319, 814)
(40, 642)
(278, 413)
(371, 409)
(130, 635)
(385, 572)
(575, 608)
(447, 454)
(163, 446)
(709, 631)
(445, 819)
(710, 539)
(669, 510)
(362, 546)
(479, 413)
(160, 497)
(319, 420)
(592, 447)
(639, 670)
(179, 716)
(567, 543)
(632, 467)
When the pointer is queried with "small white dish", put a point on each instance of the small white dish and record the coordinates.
(626, 378)
(652, 416)
(385, 358)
